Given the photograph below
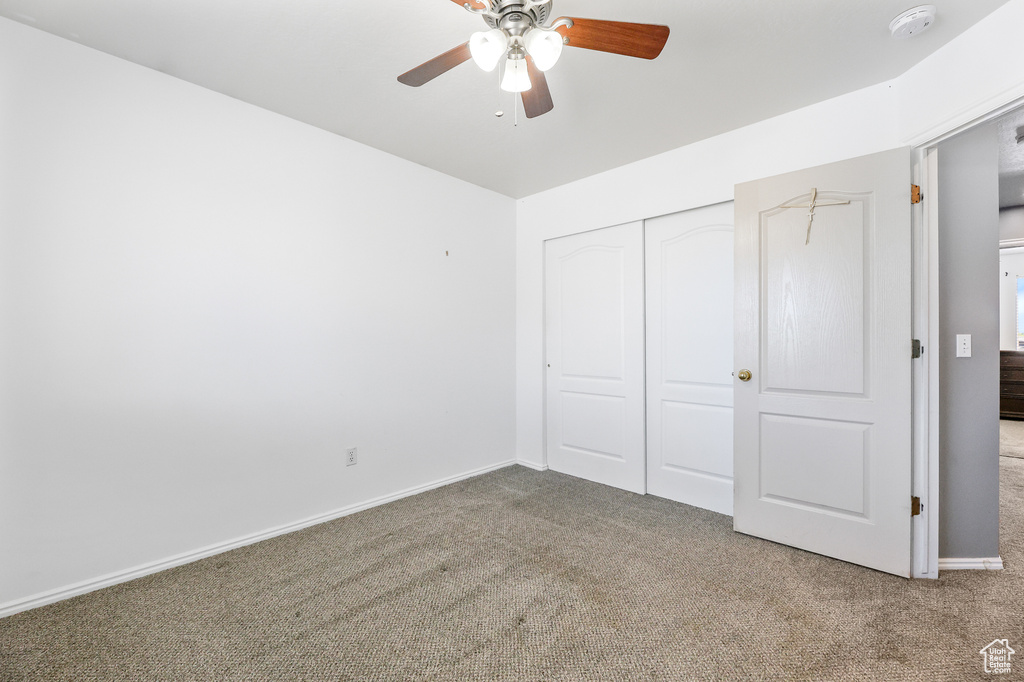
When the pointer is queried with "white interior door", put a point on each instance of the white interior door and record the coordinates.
(689, 273)
(823, 325)
(594, 351)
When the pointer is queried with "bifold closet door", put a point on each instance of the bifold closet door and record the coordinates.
(594, 355)
(689, 263)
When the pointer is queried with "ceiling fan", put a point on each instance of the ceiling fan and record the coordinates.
(517, 33)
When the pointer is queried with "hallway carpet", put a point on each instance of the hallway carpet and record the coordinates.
(1011, 438)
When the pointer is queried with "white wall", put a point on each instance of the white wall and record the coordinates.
(977, 73)
(1011, 223)
(203, 303)
(1011, 266)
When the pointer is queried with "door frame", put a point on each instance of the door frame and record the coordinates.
(924, 554)
(925, 562)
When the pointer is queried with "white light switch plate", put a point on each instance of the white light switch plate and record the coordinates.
(963, 345)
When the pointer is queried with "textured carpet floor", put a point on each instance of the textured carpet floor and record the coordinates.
(520, 575)
(1011, 438)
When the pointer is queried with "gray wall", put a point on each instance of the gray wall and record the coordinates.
(968, 304)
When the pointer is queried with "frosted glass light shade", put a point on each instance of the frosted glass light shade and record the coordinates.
(544, 46)
(517, 78)
(488, 47)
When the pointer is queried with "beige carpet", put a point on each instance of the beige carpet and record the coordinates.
(520, 575)
(1011, 438)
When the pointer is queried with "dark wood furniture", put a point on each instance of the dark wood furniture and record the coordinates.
(1011, 384)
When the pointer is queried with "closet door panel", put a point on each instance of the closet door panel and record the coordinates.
(689, 316)
(594, 356)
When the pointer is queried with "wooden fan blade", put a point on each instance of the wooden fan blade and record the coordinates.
(536, 100)
(428, 71)
(618, 37)
(475, 4)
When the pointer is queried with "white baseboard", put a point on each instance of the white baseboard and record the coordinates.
(35, 601)
(982, 564)
(532, 465)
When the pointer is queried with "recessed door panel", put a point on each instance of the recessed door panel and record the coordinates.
(593, 306)
(594, 423)
(796, 470)
(814, 299)
(697, 439)
(696, 312)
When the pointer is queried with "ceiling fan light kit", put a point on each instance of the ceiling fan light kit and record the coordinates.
(488, 47)
(519, 34)
(544, 46)
(517, 77)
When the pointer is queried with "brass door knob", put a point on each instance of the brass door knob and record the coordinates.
(744, 375)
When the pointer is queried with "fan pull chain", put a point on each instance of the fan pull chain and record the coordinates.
(499, 113)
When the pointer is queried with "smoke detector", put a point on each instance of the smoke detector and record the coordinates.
(912, 22)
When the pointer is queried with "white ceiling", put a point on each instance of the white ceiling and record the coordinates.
(728, 63)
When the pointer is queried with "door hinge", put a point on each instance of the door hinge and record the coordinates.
(915, 506)
(915, 194)
(917, 350)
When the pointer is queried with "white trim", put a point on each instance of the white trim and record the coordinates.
(544, 348)
(1011, 244)
(925, 457)
(924, 552)
(76, 589)
(931, 227)
(532, 465)
(976, 114)
(982, 564)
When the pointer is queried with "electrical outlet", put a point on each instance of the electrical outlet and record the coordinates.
(351, 456)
